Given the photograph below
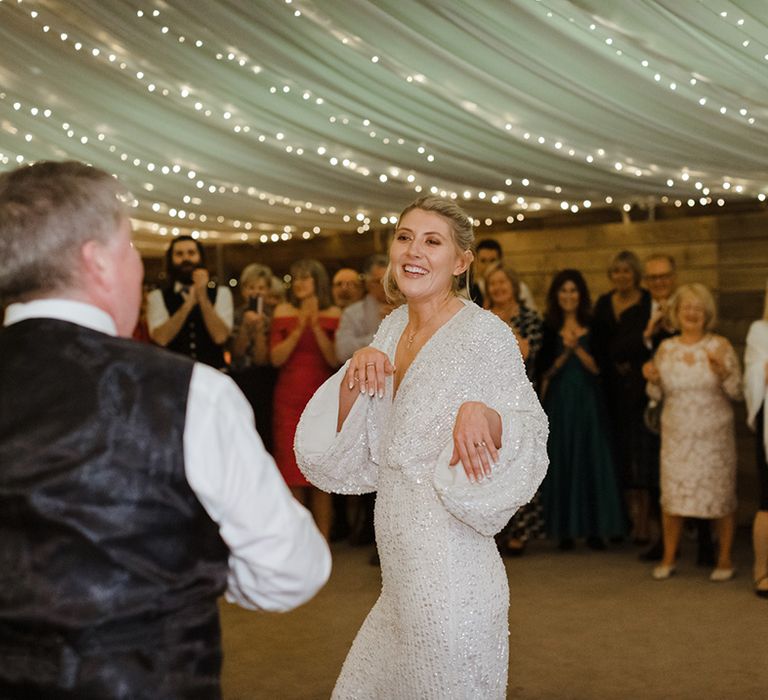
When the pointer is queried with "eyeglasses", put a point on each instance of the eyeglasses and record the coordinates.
(659, 278)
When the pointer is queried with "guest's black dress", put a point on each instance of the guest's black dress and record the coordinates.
(620, 354)
(257, 382)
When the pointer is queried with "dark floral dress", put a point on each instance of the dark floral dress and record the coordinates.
(528, 522)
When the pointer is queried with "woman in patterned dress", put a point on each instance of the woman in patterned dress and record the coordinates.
(697, 375)
(503, 292)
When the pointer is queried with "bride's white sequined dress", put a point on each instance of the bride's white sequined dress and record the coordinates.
(439, 629)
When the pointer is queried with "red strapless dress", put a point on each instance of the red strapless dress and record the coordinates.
(298, 379)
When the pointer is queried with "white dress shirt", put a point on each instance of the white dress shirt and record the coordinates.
(278, 558)
(357, 327)
(157, 313)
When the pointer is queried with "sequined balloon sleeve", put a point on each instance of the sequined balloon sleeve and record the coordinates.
(347, 461)
(336, 462)
(502, 385)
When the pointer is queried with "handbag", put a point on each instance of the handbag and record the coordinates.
(652, 416)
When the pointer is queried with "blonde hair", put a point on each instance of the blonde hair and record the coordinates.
(509, 273)
(255, 271)
(628, 258)
(701, 294)
(462, 234)
(47, 212)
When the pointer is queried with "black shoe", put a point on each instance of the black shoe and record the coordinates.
(596, 543)
(565, 544)
(655, 553)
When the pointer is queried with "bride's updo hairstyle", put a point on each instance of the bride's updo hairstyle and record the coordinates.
(462, 233)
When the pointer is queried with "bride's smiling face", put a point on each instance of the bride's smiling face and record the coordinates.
(424, 256)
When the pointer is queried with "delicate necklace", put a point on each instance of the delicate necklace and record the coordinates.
(413, 333)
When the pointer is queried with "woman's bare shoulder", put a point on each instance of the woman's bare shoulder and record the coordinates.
(285, 310)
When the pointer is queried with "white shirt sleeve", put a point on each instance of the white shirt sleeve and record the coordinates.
(157, 314)
(278, 558)
(224, 307)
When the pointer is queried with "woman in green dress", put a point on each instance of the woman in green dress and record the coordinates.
(580, 494)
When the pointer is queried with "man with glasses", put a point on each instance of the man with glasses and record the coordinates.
(660, 277)
(347, 287)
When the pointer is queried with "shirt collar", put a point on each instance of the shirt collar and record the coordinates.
(62, 310)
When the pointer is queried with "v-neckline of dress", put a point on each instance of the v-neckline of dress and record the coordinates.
(396, 393)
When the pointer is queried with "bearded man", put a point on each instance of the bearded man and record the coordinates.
(190, 316)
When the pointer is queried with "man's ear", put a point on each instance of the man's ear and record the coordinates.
(95, 262)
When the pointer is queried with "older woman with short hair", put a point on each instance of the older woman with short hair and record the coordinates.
(697, 376)
(502, 293)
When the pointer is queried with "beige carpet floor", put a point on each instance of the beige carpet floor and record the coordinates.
(583, 625)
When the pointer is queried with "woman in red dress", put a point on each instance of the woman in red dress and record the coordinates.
(301, 345)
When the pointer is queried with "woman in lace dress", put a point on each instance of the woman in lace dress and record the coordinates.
(697, 375)
(453, 445)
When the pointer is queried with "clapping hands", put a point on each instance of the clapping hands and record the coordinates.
(651, 372)
(309, 311)
(570, 338)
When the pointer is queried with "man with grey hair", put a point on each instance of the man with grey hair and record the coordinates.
(346, 287)
(133, 488)
(360, 320)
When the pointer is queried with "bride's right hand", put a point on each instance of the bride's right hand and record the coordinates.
(369, 368)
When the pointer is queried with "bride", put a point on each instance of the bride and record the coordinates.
(442, 383)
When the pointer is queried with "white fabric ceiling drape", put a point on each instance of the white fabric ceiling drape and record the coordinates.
(246, 119)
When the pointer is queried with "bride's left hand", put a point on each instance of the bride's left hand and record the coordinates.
(473, 441)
